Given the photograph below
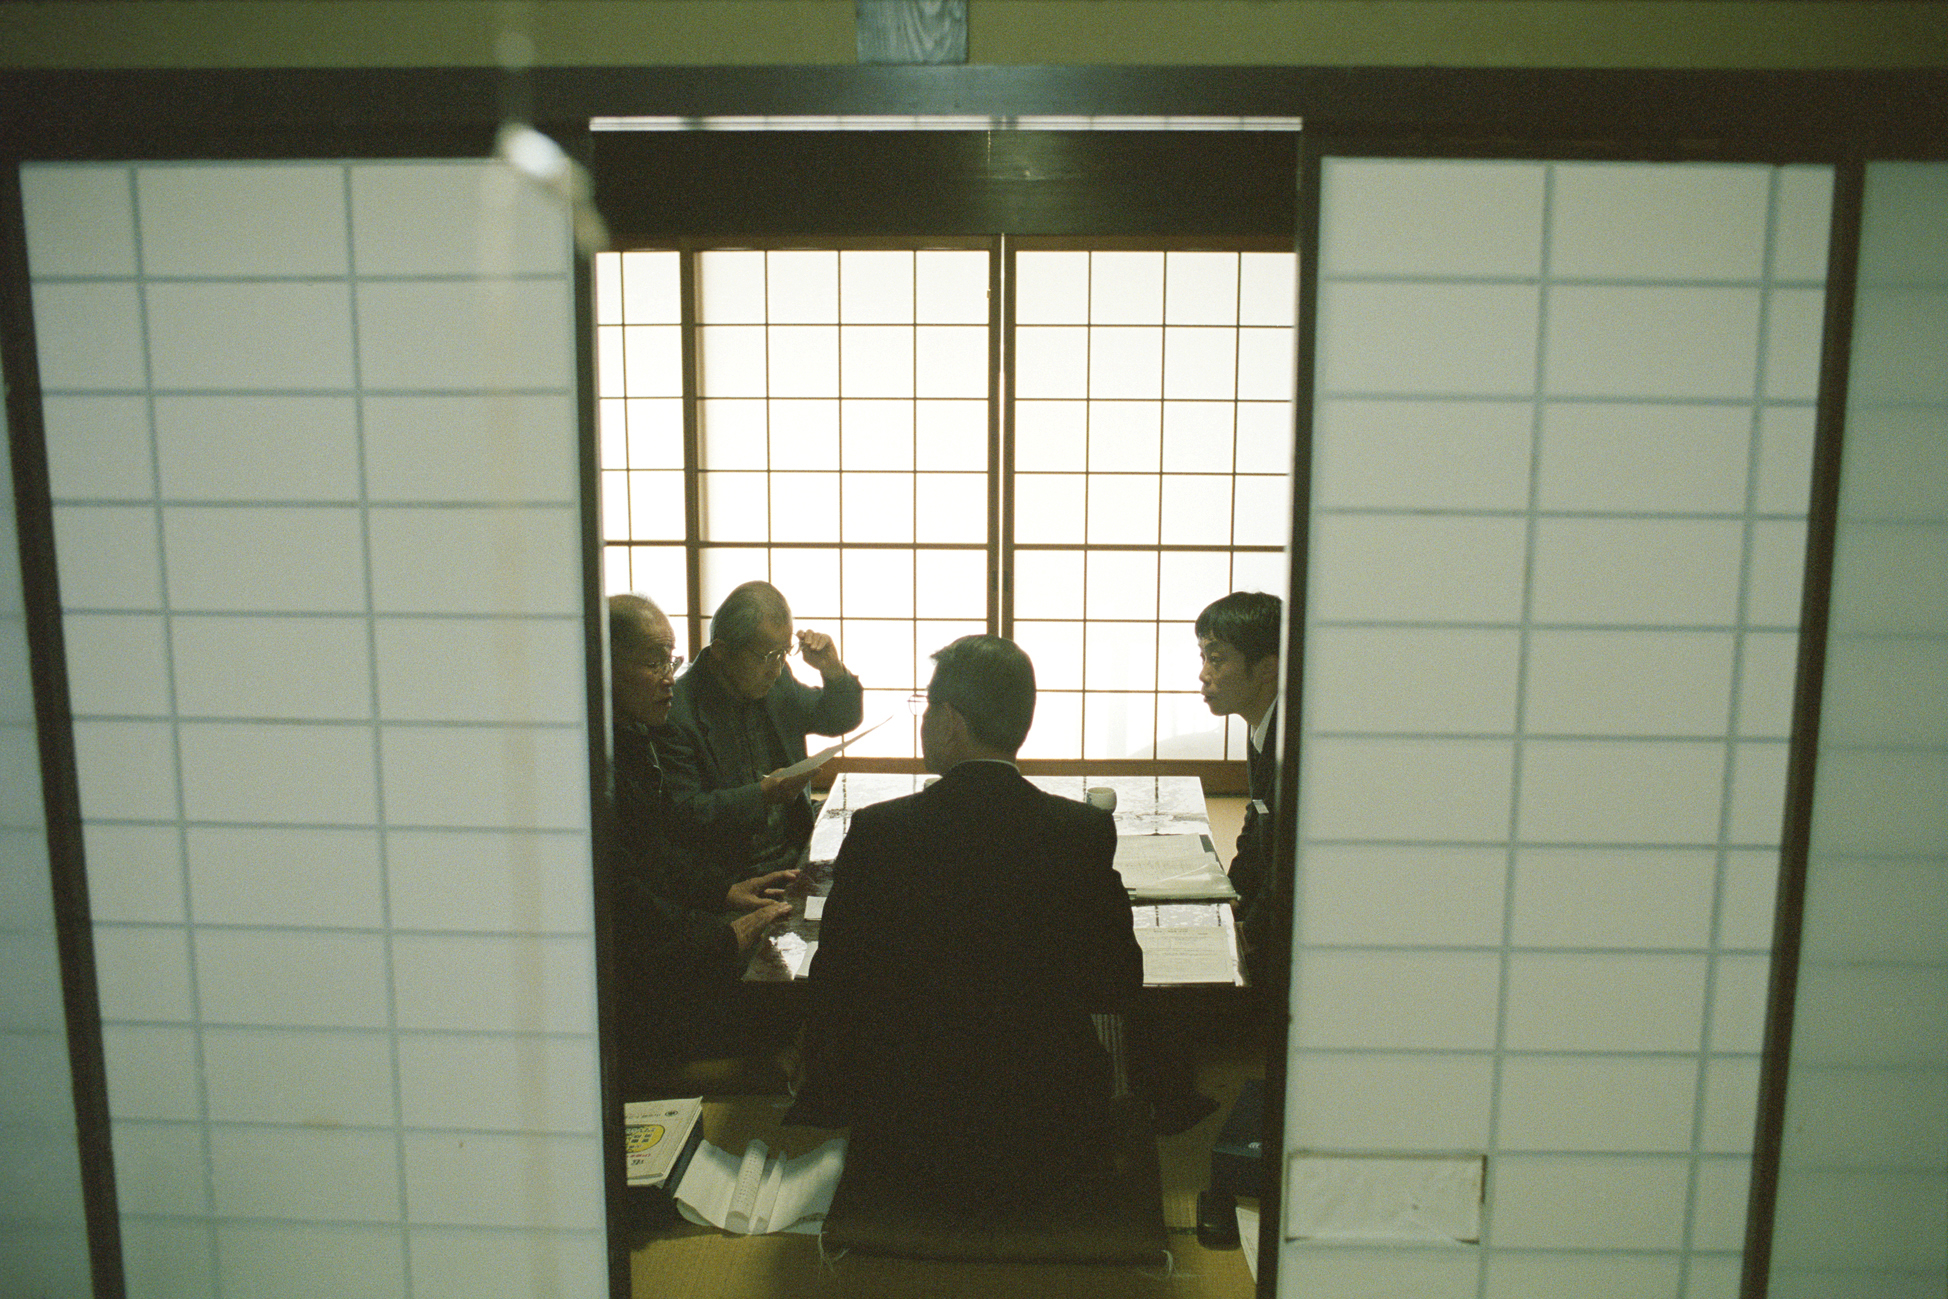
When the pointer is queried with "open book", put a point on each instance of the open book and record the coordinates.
(762, 1192)
(654, 1134)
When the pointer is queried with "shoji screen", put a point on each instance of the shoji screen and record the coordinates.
(1152, 443)
(1862, 1187)
(1561, 458)
(43, 1235)
(312, 443)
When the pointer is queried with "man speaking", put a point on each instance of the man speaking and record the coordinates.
(971, 930)
(737, 718)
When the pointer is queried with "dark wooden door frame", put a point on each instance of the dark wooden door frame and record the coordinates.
(1841, 117)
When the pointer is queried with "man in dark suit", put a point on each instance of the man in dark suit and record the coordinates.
(738, 717)
(1237, 641)
(678, 958)
(971, 931)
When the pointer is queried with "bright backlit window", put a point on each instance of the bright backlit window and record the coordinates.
(839, 423)
(1152, 438)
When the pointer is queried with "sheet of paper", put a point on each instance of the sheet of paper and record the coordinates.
(780, 957)
(823, 756)
(805, 1188)
(829, 832)
(1171, 866)
(711, 1185)
(812, 907)
(1248, 1236)
(1187, 955)
(761, 1192)
(1161, 822)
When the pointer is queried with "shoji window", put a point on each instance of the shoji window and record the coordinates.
(639, 350)
(843, 431)
(1561, 454)
(848, 447)
(47, 1253)
(1152, 429)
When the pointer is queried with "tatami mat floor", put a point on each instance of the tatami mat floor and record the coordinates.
(689, 1262)
(701, 1263)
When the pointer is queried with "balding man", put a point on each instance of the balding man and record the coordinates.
(738, 718)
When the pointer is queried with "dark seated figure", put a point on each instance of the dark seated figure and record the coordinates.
(679, 954)
(971, 931)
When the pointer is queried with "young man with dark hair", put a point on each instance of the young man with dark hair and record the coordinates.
(1237, 643)
(971, 931)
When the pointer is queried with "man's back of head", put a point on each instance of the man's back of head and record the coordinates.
(980, 702)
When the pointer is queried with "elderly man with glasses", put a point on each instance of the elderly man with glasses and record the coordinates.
(739, 717)
(680, 951)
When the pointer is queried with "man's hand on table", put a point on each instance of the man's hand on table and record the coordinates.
(750, 926)
(759, 890)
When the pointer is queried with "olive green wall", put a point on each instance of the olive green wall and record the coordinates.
(1452, 33)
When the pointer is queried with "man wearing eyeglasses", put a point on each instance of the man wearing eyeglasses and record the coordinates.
(738, 718)
(679, 951)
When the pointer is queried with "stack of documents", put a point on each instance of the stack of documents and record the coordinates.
(1171, 866)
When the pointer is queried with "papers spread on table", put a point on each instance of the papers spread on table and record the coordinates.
(654, 1133)
(761, 1192)
(1188, 943)
(823, 756)
(1171, 866)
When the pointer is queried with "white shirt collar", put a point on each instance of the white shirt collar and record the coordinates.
(1006, 762)
(1261, 732)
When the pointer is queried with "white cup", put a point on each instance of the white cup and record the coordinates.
(1100, 796)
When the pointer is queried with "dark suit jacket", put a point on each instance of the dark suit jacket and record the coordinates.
(971, 931)
(714, 810)
(673, 959)
(1265, 909)
(1250, 867)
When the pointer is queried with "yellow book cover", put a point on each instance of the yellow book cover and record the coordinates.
(654, 1134)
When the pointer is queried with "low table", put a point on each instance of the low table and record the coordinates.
(1168, 931)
